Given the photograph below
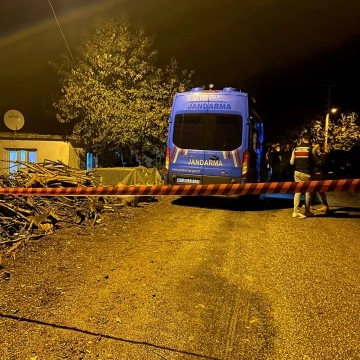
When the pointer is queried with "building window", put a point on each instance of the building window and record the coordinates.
(21, 155)
(91, 161)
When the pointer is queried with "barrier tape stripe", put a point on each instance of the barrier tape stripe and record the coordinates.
(326, 184)
(346, 186)
(298, 187)
(278, 188)
(337, 187)
(333, 187)
(303, 189)
(354, 185)
(235, 188)
(153, 188)
(342, 184)
(174, 189)
(272, 187)
(208, 190)
(287, 186)
(258, 189)
(250, 190)
(220, 190)
(312, 186)
(194, 190)
(254, 188)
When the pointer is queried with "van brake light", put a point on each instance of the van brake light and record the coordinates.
(167, 161)
(245, 165)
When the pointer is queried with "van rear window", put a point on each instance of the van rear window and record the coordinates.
(222, 132)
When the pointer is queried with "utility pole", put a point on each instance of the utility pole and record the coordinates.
(328, 99)
(328, 105)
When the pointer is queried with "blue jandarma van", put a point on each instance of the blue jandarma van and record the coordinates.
(213, 138)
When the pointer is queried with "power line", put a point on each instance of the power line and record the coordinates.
(63, 35)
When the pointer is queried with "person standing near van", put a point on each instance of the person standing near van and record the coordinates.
(302, 160)
(285, 166)
(275, 162)
(320, 158)
(268, 164)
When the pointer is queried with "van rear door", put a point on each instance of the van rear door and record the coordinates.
(187, 139)
(187, 157)
(223, 145)
(225, 122)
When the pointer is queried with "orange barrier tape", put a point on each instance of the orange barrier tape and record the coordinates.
(194, 190)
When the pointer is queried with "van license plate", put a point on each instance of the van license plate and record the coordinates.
(188, 181)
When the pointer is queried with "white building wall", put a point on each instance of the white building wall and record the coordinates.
(76, 157)
(47, 149)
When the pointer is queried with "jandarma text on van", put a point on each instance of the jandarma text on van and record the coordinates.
(209, 106)
(205, 162)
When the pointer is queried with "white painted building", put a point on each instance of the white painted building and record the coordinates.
(37, 148)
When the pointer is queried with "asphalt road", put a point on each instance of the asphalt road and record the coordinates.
(194, 278)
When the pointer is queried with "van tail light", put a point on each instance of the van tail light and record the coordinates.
(167, 161)
(245, 165)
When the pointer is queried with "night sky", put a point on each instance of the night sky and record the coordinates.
(285, 51)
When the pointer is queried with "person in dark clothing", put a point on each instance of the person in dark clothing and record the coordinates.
(275, 162)
(268, 164)
(302, 160)
(320, 158)
(285, 166)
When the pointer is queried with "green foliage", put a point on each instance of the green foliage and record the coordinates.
(343, 132)
(115, 95)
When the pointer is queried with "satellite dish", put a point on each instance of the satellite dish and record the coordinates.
(14, 120)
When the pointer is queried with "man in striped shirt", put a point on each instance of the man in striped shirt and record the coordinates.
(302, 160)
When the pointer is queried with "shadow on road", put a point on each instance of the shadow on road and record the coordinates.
(64, 327)
(348, 209)
(262, 203)
(345, 213)
(234, 203)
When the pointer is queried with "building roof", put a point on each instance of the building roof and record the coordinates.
(38, 137)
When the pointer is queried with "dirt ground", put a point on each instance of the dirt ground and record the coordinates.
(188, 278)
(44, 283)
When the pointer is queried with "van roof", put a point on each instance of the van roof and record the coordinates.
(224, 91)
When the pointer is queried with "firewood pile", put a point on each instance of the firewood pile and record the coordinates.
(24, 218)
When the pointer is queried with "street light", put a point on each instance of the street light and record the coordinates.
(333, 111)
